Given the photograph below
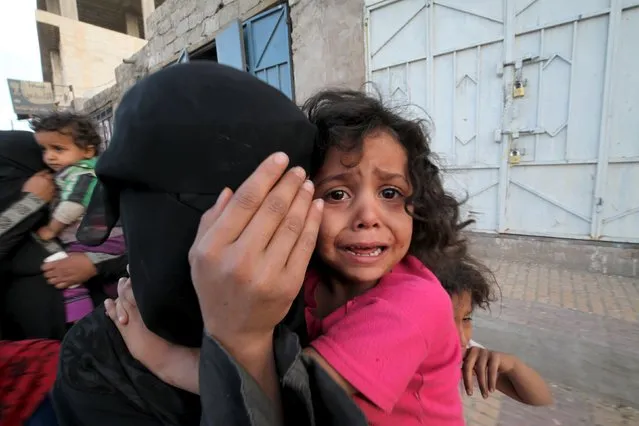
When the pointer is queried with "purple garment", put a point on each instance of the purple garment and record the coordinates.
(114, 246)
(77, 301)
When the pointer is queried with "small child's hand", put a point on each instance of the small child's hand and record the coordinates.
(144, 345)
(45, 233)
(486, 366)
(175, 365)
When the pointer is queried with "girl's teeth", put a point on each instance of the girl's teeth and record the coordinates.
(373, 253)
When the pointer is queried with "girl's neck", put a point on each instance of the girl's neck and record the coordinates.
(334, 292)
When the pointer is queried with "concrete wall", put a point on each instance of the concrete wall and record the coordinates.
(179, 24)
(88, 54)
(328, 45)
(588, 256)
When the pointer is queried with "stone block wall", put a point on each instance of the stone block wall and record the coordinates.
(327, 39)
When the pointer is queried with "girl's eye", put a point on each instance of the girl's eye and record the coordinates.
(58, 149)
(390, 193)
(337, 195)
(467, 319)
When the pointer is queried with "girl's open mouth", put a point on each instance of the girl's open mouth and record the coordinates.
(365, 251)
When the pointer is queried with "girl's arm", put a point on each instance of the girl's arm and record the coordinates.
(337, 378)
(524, 384)
(506, 373)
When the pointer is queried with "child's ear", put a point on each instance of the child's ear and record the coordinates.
(89, 152)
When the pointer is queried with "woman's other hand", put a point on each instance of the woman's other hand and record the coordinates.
(41, 185)
(76, 269)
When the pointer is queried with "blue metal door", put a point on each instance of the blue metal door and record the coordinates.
(230, 46)
(266, 37)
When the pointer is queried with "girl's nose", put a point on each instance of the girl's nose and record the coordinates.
(367, 215)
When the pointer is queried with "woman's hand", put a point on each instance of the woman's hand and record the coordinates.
(76, 269)
(41, 185)
(248, 263)
(251, 253)
(45, 233)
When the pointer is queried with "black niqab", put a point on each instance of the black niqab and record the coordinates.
(181, 135)
(20, 158)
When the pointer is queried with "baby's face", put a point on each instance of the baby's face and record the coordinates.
(462, 304)
(59, 150)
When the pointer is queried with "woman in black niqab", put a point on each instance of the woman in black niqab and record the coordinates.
(181, 135)
(20, 158)
(30, 307)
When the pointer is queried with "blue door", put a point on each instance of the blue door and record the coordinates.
(230, 46)
(268, 56)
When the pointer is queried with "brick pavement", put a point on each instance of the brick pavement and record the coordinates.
(579, 330)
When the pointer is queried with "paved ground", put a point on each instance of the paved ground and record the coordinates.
(580, 331)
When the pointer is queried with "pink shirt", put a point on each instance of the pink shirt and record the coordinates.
(397, 344)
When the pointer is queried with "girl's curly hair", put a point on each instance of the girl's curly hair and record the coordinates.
(469, 275)
(80, 127)
(344, 118)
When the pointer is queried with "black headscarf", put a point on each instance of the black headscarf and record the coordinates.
(181, 135)
(29, 307)
(20, 158)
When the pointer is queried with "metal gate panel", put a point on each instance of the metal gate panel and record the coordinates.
(268, 48)
(444, 72)
(460, 24)
(534, 14)
(550, 192)
(620, 196)
(576, 127)
(466, 109)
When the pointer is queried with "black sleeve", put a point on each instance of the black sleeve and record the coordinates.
(112, 269)
(310, 397)
(18, 220)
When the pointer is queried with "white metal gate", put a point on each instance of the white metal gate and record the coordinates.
(560, 159)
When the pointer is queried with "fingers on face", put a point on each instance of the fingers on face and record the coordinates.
(291, 226)
(249, 198)
(277, 211)
(209, 218)
(305, 244)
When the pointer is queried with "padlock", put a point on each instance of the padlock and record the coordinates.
(518, 89)
(514, 157)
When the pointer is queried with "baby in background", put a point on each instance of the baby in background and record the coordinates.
(70, 147)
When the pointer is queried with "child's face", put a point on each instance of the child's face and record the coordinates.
(365, 228)
(462, 304)
(59, 151)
